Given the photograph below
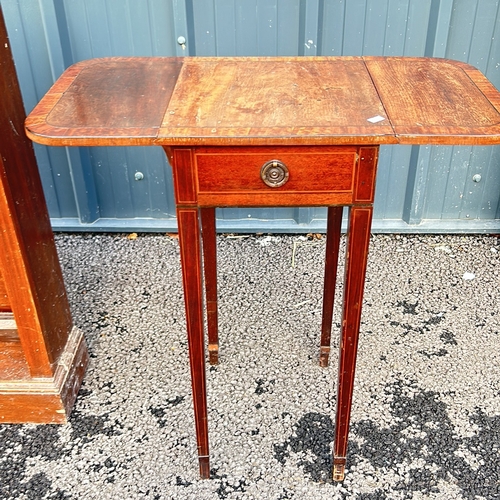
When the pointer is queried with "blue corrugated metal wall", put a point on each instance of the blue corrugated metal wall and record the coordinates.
(419, 189)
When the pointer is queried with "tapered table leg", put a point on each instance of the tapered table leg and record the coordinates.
(356, 259)
(209, 239)
(190, 247)
(334, 222)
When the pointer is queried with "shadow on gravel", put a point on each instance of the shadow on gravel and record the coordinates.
(21, 443)
(421, 430)
(18, 444)
(311, 439)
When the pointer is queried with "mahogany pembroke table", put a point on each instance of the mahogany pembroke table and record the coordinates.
(277, 131)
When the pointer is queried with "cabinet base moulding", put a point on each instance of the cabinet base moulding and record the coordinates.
(47, 400)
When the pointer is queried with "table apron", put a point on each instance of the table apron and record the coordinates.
(257, 200)
(313, 176)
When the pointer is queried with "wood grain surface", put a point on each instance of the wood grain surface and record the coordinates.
(121, 101)
(436, 101)
(4, 299)
(268, 101)
(37, 335)
(277, 100)
(29, 265)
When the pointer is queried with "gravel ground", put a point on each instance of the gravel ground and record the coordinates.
(426, 412)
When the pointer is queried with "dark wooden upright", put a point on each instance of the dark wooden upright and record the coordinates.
(42, 354)
(255, 132)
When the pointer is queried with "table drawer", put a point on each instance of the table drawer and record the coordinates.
(234, 176)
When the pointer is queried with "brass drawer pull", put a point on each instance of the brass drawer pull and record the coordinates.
(274, 173)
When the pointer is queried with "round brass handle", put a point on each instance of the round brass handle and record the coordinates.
(274, 173)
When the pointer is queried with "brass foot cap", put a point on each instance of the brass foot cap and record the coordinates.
(324, 355)
(213, 354)
(338, 472)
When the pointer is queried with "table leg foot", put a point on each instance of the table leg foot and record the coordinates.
(190, 250)
(338, 468)
(213, 354)
(356, 259)
(324, 355)
(204, 467)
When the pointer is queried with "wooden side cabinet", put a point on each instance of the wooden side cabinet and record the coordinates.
(43, 356)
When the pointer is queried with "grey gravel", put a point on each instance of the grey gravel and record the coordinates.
(426, 412)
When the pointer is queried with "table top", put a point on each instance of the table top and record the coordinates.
(267, 101)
